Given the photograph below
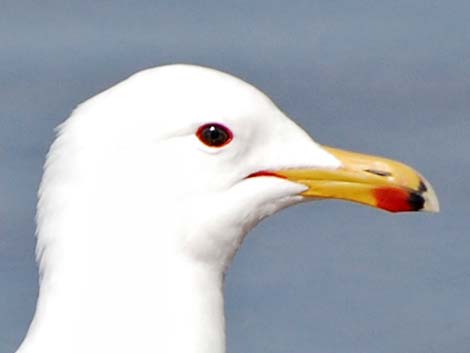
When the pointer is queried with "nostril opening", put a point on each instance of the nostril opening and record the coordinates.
(379, 172)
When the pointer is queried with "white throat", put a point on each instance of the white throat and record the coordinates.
(114, 285)
(148, 306)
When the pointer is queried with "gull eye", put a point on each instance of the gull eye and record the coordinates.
(214, 135)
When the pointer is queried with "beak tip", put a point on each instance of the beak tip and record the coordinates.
(431, 201)
(432, 204)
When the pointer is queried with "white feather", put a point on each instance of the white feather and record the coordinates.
(138, 220)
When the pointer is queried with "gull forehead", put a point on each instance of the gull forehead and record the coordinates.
(182, 94)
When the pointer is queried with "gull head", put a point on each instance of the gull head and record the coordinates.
(147, 193)
(191, 158)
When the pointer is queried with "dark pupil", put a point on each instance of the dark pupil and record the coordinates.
(215, 136)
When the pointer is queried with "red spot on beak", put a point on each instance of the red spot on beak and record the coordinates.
(393, 199)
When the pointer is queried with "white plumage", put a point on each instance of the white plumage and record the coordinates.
(138, 219)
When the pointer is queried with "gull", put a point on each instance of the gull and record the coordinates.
(148, 192)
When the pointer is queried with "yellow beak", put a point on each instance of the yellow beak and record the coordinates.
(369, 180)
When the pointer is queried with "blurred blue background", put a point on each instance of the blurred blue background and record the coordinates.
(384, 77)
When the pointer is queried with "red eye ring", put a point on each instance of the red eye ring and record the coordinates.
(214, 135)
